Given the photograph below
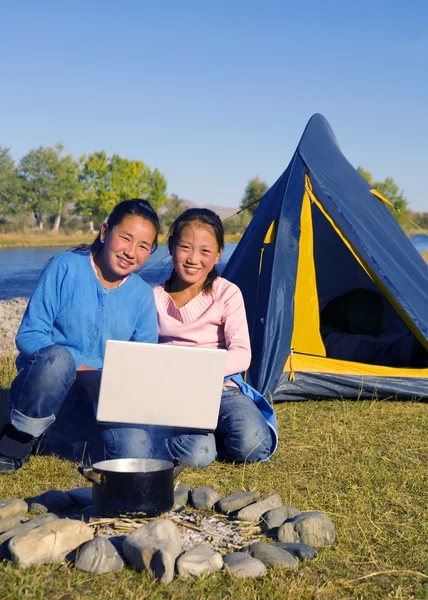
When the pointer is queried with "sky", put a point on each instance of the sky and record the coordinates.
(213, 93)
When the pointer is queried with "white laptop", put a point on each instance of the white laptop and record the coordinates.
(161, 384)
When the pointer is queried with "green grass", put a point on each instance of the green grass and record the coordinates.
(363, 463)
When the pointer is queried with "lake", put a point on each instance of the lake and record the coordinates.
(20, 267)
(420, 242)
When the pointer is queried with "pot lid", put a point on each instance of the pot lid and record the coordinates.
(132, 465)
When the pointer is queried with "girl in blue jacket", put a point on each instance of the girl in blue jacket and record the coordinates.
(83, 298)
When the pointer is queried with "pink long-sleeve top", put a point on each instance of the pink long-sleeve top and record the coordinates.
(214, 320)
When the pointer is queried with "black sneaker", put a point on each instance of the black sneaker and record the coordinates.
(15, 449)
(10, 465)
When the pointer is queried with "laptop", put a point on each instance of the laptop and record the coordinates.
(161, 384)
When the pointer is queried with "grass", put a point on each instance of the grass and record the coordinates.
(363, 463)
(49, 239)
(42, 239)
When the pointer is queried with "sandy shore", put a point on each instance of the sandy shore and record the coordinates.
(11, 312)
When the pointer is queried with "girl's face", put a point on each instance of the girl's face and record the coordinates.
(127, 245)
(195, 253)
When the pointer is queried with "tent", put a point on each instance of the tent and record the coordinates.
(323, 256)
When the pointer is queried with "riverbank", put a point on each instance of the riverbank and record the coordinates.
(49, 239)
(43, 240)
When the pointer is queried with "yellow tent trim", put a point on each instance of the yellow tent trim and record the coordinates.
(271, 233)
(403, 214)
(306, 331)
(319, 364)
(261, 260)
(315, 200)
(379, 195)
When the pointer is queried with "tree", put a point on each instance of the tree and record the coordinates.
(108, 181)
(255, 190)
(49, 182)
(128, 179)
(367, 176)
(390, 190)
(173, 209)
(421, 219)
(157, 194)
(95, 201)
(10, 184)
(238, 223)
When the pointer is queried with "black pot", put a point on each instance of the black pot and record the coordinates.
(133, 485)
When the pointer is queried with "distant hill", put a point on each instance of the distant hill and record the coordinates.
(223, 212)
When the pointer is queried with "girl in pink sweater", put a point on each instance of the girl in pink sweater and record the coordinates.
(196, 307)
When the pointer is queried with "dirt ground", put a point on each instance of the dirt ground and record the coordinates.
(11, 312)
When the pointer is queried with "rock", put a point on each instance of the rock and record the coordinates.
(271, 555)
(160, 561)
(13, 507)
(117, 541)
(51, 501)
(10, 522)
(204, 497)
(236, 501)
(154, 546)
(313, 528)
(181, 495)
(38, 509)
(49, 543)
(272, 519)
(243, 566)
(299, 551)
(253, 512)
(22, 529)
(82, 496)
(199, 559)
(99, 556)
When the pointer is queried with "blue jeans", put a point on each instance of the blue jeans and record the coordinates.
(242, 435)
(49, 397)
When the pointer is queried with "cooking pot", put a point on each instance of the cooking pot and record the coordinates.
(133, 485)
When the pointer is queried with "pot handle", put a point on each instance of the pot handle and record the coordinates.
(179, 465)
(89, 474)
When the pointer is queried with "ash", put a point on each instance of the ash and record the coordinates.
(220, 533)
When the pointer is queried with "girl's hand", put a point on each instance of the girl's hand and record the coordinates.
(86, 368)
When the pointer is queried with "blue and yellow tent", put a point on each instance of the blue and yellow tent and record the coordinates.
(319, 233)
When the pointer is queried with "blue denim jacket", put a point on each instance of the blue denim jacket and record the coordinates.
(262, 404)
(70, 307)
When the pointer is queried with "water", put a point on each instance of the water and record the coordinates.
(420, 242)
(20, 268)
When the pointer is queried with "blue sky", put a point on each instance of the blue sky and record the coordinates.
(216, 92)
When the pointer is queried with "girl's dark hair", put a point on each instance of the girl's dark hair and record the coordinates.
(127, 208)
(203, 216)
